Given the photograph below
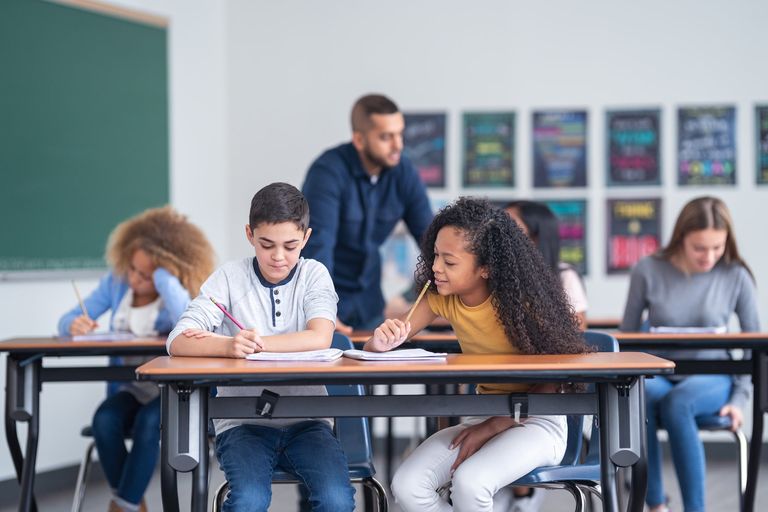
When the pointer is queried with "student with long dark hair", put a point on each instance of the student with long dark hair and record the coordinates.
(494, 288)
(542, 227)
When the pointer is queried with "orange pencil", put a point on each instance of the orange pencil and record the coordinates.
(418, 299)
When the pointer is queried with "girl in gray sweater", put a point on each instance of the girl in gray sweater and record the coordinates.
(697, 280)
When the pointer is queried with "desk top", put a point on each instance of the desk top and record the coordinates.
(53, 346)
(658, 341)
(466, 367)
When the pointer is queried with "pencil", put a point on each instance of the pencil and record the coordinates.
(418, 299)
(223, 310)
(80, 300)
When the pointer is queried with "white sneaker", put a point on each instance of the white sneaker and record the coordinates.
(530, 503)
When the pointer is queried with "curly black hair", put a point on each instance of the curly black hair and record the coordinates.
(525, 292)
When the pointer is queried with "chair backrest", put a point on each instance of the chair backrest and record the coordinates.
(602, 342)
(354, 434)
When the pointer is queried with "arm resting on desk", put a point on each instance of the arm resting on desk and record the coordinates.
(195, 343)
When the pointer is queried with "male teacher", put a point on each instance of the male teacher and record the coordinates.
(357, 193)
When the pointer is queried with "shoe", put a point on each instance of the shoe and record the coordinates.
(530, 503)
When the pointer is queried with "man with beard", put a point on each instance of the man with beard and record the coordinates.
(357, 193)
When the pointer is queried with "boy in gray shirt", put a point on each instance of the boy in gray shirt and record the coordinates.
(286, 304)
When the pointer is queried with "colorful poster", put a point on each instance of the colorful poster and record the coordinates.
(572, 218)
(424, 145)
(489, 149)
(761, 118)
(634, 231)
(706, 146)
(633, 147)
(560, 148)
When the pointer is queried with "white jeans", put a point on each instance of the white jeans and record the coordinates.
(478, 483)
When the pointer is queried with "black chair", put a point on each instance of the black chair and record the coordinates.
(354, 434)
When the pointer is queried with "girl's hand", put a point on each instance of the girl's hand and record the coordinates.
(737, 417)
(388, 335)
(82, 325)
(197, 334)
(246, 342)
(471, 439)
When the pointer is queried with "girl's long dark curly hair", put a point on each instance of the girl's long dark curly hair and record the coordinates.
(525, 292)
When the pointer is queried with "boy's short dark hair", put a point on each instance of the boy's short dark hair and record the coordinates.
(279, 202)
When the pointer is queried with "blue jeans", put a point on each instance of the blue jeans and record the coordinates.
(118, 417)
(674, 407)
(248, 455)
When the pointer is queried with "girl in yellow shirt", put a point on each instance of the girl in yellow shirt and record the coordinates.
(492, 285)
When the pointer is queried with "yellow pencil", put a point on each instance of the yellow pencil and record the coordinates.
(418, 299)
(80, 300)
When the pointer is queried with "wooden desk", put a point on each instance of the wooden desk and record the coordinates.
(603, 323)
(186, 402)
(25, 374)
(755, 364)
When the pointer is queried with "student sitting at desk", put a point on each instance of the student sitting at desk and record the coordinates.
(495, 289)
(158, 261)
(541, 225)
(697, 280)
(275, 302)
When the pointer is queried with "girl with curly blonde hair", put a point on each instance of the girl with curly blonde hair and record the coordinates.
(159, 260)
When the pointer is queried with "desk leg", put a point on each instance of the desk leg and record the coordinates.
(640, 468)
(168, 482)
(760, 385)
(22, 403)
(621, 441)
(607, 469)
(200, 473)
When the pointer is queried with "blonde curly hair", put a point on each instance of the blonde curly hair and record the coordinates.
(169, 239)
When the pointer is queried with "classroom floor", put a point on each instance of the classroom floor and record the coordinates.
(721, 491)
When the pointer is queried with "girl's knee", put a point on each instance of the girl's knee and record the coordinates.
(410, 491)
(469, 494)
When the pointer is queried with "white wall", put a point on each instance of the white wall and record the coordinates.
(199, 186)
(296, 67)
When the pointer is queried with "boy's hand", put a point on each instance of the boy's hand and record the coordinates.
(246, 342)
(82, 325)
(388, 335)
(197, 334)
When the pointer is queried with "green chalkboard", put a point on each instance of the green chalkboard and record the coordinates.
(83, 132)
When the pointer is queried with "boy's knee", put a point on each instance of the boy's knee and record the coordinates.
(247, 498)
(333, 499)
(105, 420)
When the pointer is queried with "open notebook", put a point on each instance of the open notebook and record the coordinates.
(721, 329)
(101, 336)
(328, 354)
(331, 354)
(395, 355)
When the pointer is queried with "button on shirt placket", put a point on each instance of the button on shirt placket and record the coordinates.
(277, 319)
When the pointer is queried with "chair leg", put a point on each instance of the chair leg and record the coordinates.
(577, 494)
(82, 478)
(741, 441)
(382, 505)
(219, 497)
